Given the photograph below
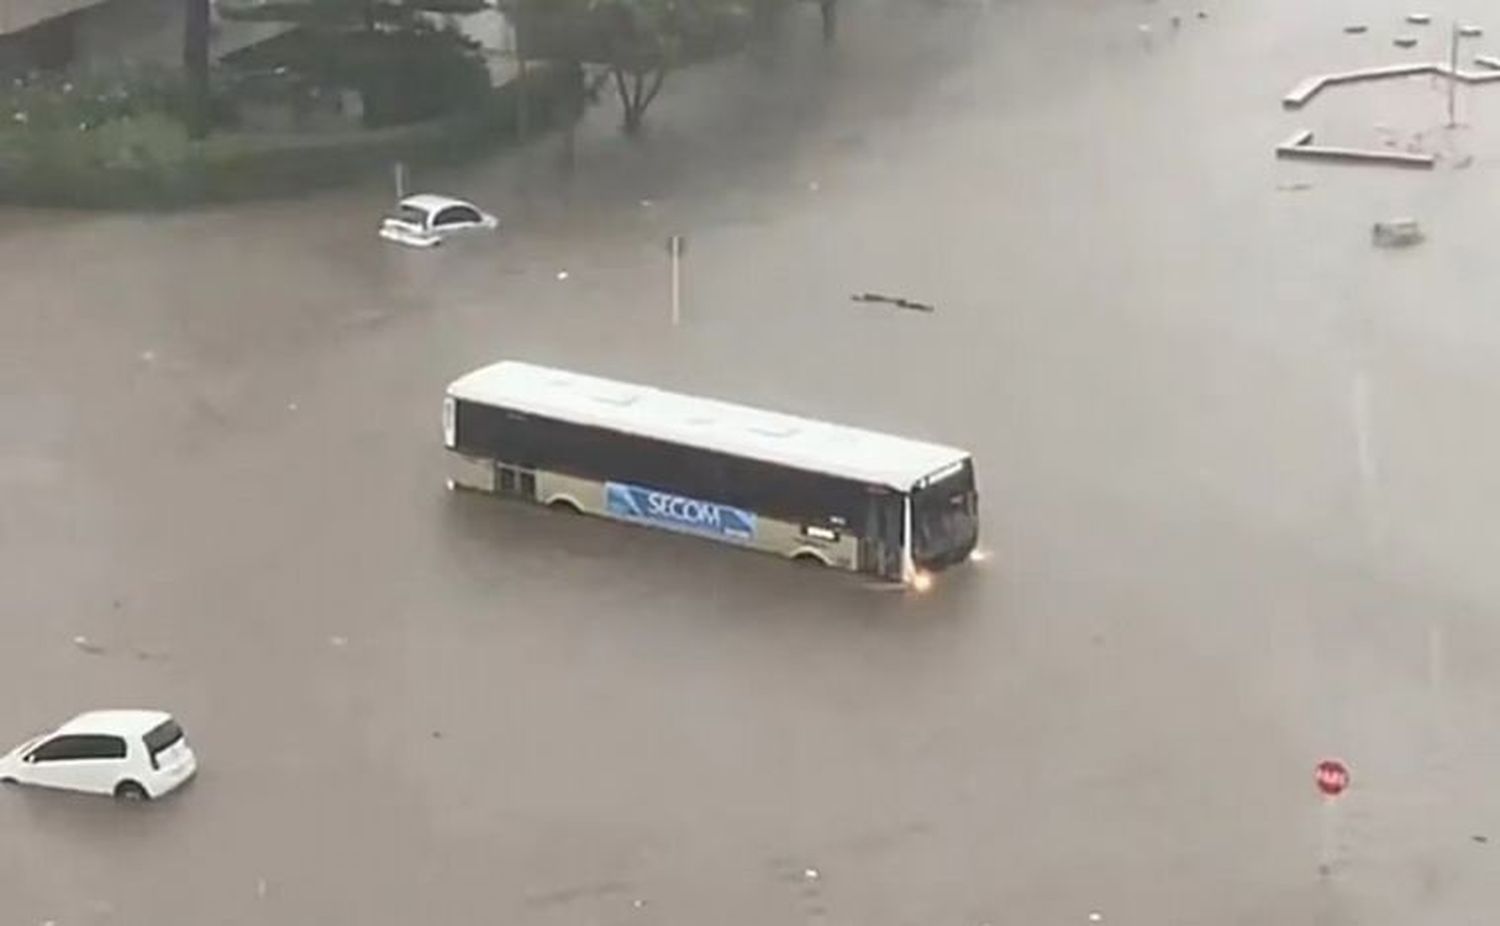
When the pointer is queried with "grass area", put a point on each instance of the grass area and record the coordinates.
(146, 160)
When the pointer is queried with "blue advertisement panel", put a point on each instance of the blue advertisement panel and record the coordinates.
(674, 512)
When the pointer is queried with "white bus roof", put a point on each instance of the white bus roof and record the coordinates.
(800, 443)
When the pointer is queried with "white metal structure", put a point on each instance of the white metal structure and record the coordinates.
(840, 495)
(131, 754)
(425, 219)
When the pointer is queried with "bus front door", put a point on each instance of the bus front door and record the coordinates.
(880, 548)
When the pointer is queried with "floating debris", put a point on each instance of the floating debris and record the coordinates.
(338, 641)
(1397, 233)
(1480, 838)
(87, 645)
(1404, 41)
(899, 302)
(291, 406)
(810, 874)
(1294, 187)
(1471, 32)
(1419, 19)
(562, 274)
(148, 356)
(260, 888)
(1356, 29)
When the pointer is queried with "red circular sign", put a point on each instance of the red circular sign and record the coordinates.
(1332, 777)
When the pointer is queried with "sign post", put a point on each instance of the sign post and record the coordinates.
(1453, 77)
(676, 247)
(1332, 779)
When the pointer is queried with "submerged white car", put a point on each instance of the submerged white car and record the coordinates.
(133, 755)
(426, 219)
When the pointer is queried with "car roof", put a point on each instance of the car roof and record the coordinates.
(432, 202)
(116, 722)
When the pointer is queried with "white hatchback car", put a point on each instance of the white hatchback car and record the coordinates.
(426, 219)
(134, 755)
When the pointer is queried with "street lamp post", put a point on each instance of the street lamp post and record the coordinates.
(1459, 32)
(1453, 77)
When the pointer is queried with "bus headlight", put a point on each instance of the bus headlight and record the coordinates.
(921, 581)
(979, 556)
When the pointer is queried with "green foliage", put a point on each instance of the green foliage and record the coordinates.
(403, 76)
(633, 35)
(639, 40)
(57, 102)
(404, 67)
(147, 160)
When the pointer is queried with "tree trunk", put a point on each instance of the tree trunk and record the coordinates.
(636, 94)
(523, 99)
(766, 17)
(195, 40)
(577, 102)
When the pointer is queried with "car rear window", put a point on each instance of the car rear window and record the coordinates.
(164, 736)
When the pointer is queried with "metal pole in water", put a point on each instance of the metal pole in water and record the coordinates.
(400, 173)
(676, 289)
(1453, 77)
(675, 247)
(1332, 777)
(1326, 838)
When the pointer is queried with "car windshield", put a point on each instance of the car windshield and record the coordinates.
(164, 736)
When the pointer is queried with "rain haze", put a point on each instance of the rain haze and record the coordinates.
(1237, 476)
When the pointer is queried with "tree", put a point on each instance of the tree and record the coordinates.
(639, 41)
(195, 41)
(404, 64)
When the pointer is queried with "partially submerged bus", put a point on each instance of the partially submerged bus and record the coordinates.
(847, 498)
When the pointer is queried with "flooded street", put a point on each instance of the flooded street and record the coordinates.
(1238, 469)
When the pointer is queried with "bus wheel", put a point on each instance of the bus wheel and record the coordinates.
(565, 505)
(808, 560)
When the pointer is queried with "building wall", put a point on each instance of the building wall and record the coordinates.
(92, 36)
(496, 36)
(110, 34)
(120, 32)
(16, 15)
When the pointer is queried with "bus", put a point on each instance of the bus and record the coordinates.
(808, 490)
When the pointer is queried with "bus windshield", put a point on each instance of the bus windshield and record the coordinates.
(945, 519)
